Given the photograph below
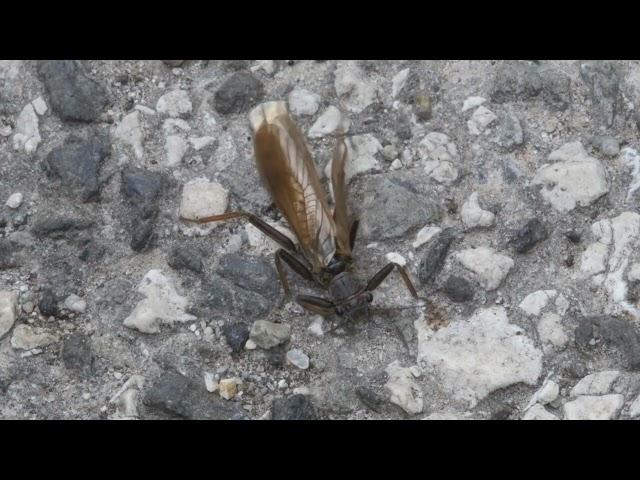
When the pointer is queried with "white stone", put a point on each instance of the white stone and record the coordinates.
(8, 311)
(350, 82)
(473, 215)
(626, 233)
(616, 240)
(127, 405)
(626, 230)
(490, 268)
(594, 258)
(551, 331)
(202, 198)
(14, 201)
(396, 165)
(634, 408)
(263, 243)
(475, 357)
(390, 152)
(361, 151)
(396, 258)
(210, 382)
(596, 384)
(162, 305)
(472, 102)
(575, 178)
(438, 154)
(315, 328)
(425, 234)
(175, 103)
(40, 106)
(303, 102)
(298, 358)
(534, 303)
(27, 134)
(605, 407)
(442, 172)
(630, 158)
(538, 412)
(130, 133)
(331, 121)
(405, 392)
(480, 120)
(175, 147)
(398, 82)
(546, 394)
(634, 272)
(437, 146)
(198, 143)
(27, 338)
(5, 130)
(74, 303)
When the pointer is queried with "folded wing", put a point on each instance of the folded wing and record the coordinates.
(286, 166)
(339, 189)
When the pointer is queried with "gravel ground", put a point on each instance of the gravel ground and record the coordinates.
(510, 189)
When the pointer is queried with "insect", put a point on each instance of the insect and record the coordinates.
(325, 238)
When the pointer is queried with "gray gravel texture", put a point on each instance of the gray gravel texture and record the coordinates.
(112, 308)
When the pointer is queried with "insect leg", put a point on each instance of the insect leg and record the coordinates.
(316, 304)
(353, 231)
(257, 222)
(377, 279)
(295, 264)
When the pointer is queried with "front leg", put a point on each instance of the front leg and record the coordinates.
(254, 220)
(317, 305)
(321, 306)
(295, 264)
(377, 279)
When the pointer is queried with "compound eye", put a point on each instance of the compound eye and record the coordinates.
(339, 311)
(369, 297)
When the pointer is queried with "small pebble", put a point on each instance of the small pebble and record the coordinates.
(14, 201)
(390, 152)
(316, 326)
(210, 382)
(298, 358)
(39, 106)
(228, 388)
(75, 304)
(396, 258)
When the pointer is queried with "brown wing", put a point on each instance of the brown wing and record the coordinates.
(285, 164)
(339, 189)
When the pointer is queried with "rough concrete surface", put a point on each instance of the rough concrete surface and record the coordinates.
(509, 188)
